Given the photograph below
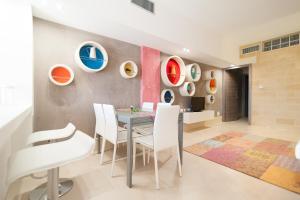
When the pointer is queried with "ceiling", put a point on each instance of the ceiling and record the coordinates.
(199, 25)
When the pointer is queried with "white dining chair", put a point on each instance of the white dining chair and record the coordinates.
(165, 135)
(100, 120)
(147, 107)
(113, 133)
(163, 104)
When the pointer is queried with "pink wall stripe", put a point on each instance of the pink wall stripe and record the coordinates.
(150, 78)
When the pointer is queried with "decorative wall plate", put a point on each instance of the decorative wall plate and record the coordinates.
(210, 74)
(91, 57)
(211, 86)
(193, 72)
(187, 89)
(128, 69)
(210, 99)
(173, 71)
(61, 74)
(167, 96)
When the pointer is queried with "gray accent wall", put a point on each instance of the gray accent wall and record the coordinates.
(55, 106)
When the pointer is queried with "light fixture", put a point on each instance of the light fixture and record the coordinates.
(186, 50)
(232, 65)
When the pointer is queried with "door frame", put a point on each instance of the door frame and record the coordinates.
(249, 93)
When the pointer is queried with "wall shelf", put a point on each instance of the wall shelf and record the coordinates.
(91, 56)
(167, 96)
(128, 69)
(187, 89)
(193, 72)
(211, 86)
(210, 99)
(210, 74)
(196, 117)
(173, 71)
(61, 75)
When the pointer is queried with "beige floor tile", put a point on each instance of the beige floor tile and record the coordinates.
(202, 179)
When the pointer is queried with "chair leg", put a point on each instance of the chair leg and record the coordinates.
(144, 156)
(114, 159)
(179, 162)
(134, 155)
(156, 170)
(149, 152)
(102, 150)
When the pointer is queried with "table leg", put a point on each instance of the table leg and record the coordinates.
(99, 144)
(180, 136)
(129, 154)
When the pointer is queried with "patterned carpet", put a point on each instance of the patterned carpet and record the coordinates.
(268, 159)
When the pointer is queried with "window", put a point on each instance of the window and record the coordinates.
(250, 49)
(282, 42)
(268, 46)
(285, 41)
(294, 39)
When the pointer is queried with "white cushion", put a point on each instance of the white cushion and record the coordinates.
(122, 136)
(145, 140)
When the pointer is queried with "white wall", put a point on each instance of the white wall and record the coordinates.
(15, 80)
(232, 41)
(16, 53)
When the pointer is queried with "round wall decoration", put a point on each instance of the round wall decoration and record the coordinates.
(210, 99)
(128, 69)
(173, 71)
(210, 74)
(91, 56)
(211, 86)
(167, 96)
(187, 89)
(61, 75)
(193, 72)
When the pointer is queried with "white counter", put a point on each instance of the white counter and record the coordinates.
(195, 117)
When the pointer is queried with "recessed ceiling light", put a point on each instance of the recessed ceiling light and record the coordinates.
(232, 65)
(186, 50)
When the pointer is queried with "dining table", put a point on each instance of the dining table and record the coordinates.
(132, 119)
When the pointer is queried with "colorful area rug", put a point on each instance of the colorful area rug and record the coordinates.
(268, 159)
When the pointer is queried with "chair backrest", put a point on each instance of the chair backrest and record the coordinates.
(111, 124)
(163, 104)
(100, 120)
(165, 130)
(69, 129)
(148, 107)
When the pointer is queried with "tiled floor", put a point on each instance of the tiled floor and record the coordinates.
(202, 179)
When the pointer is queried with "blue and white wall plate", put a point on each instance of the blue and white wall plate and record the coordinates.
(193, 72)
(167, 96)
(91, 56)
(210, 99)
(187, 89)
